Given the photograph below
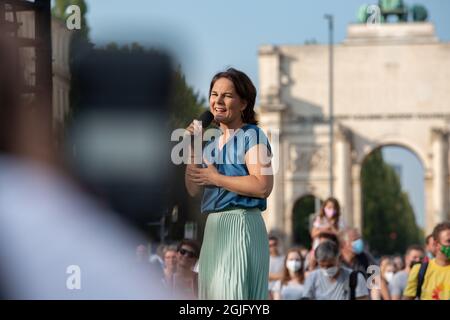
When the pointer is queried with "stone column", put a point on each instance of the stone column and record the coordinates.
(269, 75)
(357, 200)
(429, 218)
(343, 173)
(271, 121)
(439, 144)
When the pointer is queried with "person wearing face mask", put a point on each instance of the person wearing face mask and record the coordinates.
(387, 271)
(310, 261)
(431, 280)
(414, 254)
(328, 220)
(333, 281)
(290, 287)
(353, 255)
(430, 248)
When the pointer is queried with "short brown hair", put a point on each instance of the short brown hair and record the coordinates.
(245, 89)
(415, 247)
(439, 228)
(329, 236)
(191, 243)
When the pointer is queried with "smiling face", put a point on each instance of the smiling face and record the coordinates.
(186, 257)
(225, 104)
(170, 259)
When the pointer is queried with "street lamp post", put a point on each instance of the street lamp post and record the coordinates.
(330, 19)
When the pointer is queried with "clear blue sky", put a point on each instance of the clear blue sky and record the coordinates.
(206, 36)
(411, 177)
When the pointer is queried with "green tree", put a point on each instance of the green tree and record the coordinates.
(186, 106)
(79, 42)
(389, 222)
(303, 208)
(186, 103)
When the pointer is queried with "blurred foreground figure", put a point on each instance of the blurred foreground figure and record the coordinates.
(118, 140)
(55, 242)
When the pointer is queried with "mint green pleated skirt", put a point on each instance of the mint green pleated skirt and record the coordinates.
(234, 259)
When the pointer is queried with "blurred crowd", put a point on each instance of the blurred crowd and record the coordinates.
(175, 264)
(339, 266)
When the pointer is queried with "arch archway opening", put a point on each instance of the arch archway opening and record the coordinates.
(303, 211)
(393, 199)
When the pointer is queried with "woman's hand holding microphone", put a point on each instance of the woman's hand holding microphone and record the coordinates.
(197, 174)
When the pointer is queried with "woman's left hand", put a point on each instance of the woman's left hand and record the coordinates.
(204, 176)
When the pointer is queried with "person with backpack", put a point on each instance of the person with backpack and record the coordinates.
(431, 280)
(331, 281)
(414, 254)
(387, 272)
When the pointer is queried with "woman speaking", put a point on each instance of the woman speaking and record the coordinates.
(234, 258)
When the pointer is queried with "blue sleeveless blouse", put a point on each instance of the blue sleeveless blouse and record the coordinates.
(230, 161)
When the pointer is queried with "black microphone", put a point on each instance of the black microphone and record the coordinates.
(206, 118)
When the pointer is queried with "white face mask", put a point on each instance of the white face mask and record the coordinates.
(293, 265)
(330, 272)
(388, 276)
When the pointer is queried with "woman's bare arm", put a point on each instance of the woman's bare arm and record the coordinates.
(258, 183)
